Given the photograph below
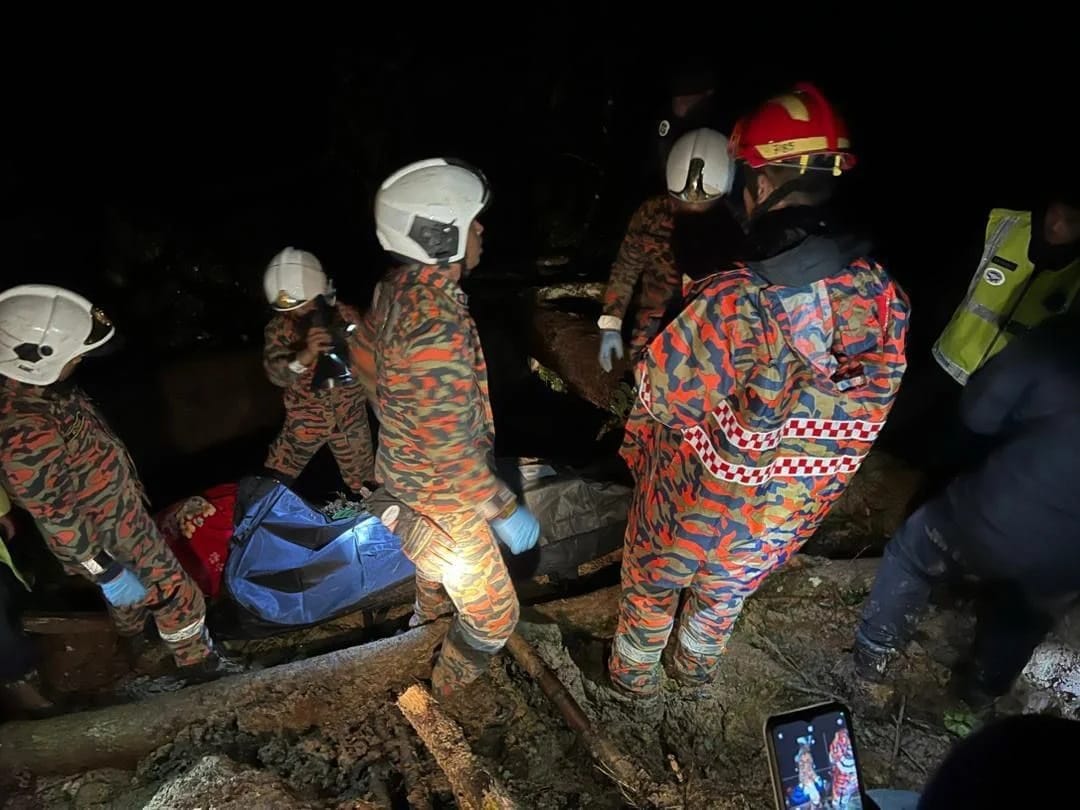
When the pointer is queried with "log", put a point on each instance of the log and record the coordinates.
(474, 788)
(292, 696)
(303, 694)
(66, 623)
(568, 344)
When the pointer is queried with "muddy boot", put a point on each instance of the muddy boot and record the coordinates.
(216, 665)
(617, 675)
(643, 698)
(25, 699)
(480, 704)
(687, 686)
(871, 661)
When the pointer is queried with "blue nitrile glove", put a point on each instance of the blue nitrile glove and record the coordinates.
(124, 590)
(519, 532)
(610, 342)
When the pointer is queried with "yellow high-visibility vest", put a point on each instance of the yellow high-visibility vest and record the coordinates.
(5, 555)
(1007, 296)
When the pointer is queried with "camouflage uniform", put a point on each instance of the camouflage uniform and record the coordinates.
(63, 465)
(645, 256)
(313, 418)
(435, 456)
(756, 406)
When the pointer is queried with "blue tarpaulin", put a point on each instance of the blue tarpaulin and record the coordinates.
(290, 565)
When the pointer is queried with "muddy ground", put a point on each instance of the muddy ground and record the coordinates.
(790, 649)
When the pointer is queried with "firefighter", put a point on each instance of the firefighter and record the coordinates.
(62, 463)
(1029, 272)
(690, 103)
(1012, 522)
(757, 403)
(317, 411)
(435, 455)
(669, 236)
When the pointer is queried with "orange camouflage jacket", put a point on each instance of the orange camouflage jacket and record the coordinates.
(62, 463)
(644, 256)
(437, 433)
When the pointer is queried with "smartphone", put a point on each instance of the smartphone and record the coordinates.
(813, 760)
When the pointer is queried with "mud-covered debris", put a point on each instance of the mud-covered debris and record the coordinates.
(101, 789)
(1051, 680)
(218, 782)
(342, 507)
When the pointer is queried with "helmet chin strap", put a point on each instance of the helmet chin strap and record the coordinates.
(777, 195)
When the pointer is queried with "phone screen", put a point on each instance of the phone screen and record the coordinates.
(815, 757)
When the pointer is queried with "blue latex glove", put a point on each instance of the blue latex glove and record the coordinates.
(610, 343)
(125, 590)
(519, 532)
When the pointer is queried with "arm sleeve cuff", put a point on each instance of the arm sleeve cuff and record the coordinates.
(504, 501)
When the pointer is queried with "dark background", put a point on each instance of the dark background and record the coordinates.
(159, 179)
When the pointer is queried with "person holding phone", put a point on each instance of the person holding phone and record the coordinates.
(294, 283)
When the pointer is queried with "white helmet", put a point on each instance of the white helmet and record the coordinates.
(423, 212)
(293, 278)
(43, 328)
(699, 167)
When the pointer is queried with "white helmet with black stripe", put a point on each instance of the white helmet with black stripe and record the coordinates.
(699, 168)
(423, 212)
(43, 328)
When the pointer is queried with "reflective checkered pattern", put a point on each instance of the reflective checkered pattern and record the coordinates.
(756, 405)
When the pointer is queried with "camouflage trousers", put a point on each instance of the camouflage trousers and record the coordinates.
(173, 599)
(459, 568)
(668, 548)
(338, 418)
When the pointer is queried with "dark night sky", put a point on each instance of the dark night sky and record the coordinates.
(125, 169)
(236, 152)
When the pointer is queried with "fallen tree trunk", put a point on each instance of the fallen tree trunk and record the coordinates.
(306, 693)
(568, 344)
(474, 788)
(292, 696)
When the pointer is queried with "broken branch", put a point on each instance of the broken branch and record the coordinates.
(633, 780)
(474, 788)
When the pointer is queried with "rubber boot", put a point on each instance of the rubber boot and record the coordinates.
(216, 665)
(872, 661)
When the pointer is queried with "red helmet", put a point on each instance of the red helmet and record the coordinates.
(798, 128)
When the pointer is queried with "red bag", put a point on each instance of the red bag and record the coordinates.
(204, 555)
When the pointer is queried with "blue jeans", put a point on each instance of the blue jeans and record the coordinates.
(895, 799)
(926, 550)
